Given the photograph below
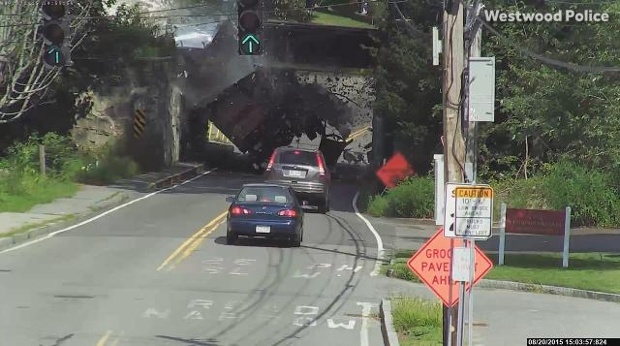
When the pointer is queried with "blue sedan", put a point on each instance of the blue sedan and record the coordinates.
(265, 210)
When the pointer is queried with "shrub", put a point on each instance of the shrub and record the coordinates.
(411, 198)
(589, 192)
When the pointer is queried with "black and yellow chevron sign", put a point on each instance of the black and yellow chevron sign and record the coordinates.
(139, 123)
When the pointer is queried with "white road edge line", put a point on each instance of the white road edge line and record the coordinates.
(380, 249)
(50, 235)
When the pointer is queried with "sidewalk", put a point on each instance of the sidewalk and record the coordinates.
(507, 317)
(90, 200)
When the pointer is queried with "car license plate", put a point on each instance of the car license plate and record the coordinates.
(296, 174)
(263, 229)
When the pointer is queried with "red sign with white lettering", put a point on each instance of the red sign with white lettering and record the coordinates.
(532, 221)
(433, 265)
(396, 169)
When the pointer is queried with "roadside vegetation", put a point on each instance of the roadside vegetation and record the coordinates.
(554, 142)
(22, 184)
(417, 322)
(592, 194)
(112, 46)
(598, 272)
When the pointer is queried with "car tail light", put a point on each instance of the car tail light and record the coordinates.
(237, 210)
(319, 159)
(272, 160)
(288, 213)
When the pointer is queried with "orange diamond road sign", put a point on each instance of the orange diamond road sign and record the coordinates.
(433, 265)
(396, 169)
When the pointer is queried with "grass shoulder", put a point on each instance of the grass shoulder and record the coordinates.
(598, 272)
(417, 321)
(23, 184)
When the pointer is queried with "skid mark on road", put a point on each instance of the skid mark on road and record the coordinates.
(348, 287)
(380, 248)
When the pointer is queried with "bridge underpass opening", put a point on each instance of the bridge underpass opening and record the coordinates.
(272, 108)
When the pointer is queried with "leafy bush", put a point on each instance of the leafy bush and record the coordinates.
(106, 165)
(108, 170)
(22, 185)
(411, 198)
(589, 192)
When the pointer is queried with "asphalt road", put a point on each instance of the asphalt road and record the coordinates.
(157, 272)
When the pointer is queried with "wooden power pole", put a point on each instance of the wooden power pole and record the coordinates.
(475, 50)
(454, 147)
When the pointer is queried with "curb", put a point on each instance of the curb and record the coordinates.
(537, 288)
(37, 232)
(560, 291)
(390, 338)
(176, 178)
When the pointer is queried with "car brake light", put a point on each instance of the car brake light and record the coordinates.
(272, 160)
(288, 213)
(321, 164)
(236, 210)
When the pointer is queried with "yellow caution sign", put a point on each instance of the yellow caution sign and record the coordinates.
(139, 123)
(474, 192)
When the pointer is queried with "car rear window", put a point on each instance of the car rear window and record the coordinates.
(298, 157)
(266, 195)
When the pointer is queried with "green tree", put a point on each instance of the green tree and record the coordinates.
(407, 85)
(546, 111)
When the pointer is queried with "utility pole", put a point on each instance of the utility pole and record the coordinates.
(475, 50)
(454, 147)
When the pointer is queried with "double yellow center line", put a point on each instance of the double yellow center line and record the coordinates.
(191, 244)
(104, 339)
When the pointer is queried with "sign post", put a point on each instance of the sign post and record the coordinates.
(469, 218)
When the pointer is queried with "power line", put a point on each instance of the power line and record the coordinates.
(203, 15)
(547, 60)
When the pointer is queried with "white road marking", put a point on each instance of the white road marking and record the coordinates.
(50, 235)
(298, 274)
(347, 267)
(349, 325)
(200, 302)
(320, 266)
(194, 315)
(305, 310)
(380, 249)
(152, 312)
(366, 309)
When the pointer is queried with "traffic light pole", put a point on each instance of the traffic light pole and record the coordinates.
(454, 148)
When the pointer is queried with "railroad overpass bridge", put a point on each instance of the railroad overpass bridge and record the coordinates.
(308, 74)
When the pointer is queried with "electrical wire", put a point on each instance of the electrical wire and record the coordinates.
(547, 60)
(201, 15)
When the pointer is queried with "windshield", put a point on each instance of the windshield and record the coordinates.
(265, 195)
(298, 157)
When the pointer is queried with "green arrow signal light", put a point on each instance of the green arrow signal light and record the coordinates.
(251, 41)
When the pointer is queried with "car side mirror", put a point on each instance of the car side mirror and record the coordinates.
(230, 199)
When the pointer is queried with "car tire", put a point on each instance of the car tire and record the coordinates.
(231, 238)
(324, 206)
(296, 240)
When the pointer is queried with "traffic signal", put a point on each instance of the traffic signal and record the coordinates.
(250, 25)
(55, 31)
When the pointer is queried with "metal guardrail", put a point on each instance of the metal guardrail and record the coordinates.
(216, 136)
